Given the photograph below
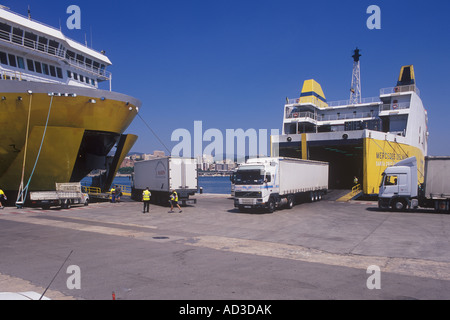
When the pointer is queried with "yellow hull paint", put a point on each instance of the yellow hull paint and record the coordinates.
(55, 163)
(69, 118)
(380, 154)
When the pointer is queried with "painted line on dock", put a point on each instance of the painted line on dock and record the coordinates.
(402, 266)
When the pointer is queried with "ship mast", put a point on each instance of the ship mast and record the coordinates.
(355, 91)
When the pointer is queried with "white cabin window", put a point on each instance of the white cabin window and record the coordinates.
(3, 58)
(12, 60)
(38, 67)
(30, 65)
(20, 62)
(45, 69)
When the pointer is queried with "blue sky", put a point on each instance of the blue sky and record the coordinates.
(231, 64)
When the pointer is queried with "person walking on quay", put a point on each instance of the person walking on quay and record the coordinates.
(113, 195)
(2, 198)
(118, 193)
(174, 201)
(146, 199)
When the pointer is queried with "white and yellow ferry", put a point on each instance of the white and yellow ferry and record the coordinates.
(357, 139)
(56, 125)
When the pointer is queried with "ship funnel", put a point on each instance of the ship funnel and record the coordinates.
(406, 77)
(312, 93)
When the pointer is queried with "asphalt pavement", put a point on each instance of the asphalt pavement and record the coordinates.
(325, 250)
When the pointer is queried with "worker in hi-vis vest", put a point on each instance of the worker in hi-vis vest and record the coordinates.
(146, 199)
(174, 200)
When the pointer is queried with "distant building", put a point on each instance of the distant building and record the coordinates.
(127, 162)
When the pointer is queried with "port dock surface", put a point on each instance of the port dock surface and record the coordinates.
(318, 250)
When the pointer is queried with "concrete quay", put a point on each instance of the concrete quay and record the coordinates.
(318, 250)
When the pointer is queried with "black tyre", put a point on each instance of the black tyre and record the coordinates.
(291, 202)
(399, 205)
(271, 205)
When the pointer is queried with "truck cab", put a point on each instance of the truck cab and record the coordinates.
(399, 186)
(254, 183)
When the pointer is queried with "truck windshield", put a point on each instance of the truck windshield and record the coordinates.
(249, 177)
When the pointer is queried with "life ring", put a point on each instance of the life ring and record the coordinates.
(394, 106)
(295, 115)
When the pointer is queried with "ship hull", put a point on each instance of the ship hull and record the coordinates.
(83, 126)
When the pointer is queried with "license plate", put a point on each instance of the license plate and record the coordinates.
(247, 207)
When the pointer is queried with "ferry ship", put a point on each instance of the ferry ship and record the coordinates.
(358, 139)
(56, 124)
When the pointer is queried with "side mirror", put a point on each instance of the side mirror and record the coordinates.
(268, 178)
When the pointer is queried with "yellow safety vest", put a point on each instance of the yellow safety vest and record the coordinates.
(175, 197)
(146, 195)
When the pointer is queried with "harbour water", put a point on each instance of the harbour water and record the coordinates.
(216, 185)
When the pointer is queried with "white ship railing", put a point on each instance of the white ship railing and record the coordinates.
(55, 52)
(394, 106)
(348, 102)
(291, 113)
(335, 103)
(20, 76)
(400, 89)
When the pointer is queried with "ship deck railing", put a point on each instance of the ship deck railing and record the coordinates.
(291, 113)
(394, 106)
(339, 103)
(400, 89)
(59, 53)
(21, 76)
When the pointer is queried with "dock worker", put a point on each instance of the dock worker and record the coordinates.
(146, 199)
(355, 181)
(118, 193)
(174, 201)
(113, 195)
(2, 198)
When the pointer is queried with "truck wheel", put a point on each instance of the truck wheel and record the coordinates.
(382, 205)
(290, 203)
(271, 205)
(399, 205)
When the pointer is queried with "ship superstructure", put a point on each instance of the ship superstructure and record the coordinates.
(358, 139)
(56, 125)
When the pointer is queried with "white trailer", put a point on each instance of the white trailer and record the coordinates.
(400, 188)
(272, 183)
(65, 195)
(164, 174)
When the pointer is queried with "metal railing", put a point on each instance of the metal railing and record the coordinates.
(21, 76)
(400, 89)
(294, 114)
(338, 103)
(345, 116)
(394, 106)
(348, 102)
(55, 52)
